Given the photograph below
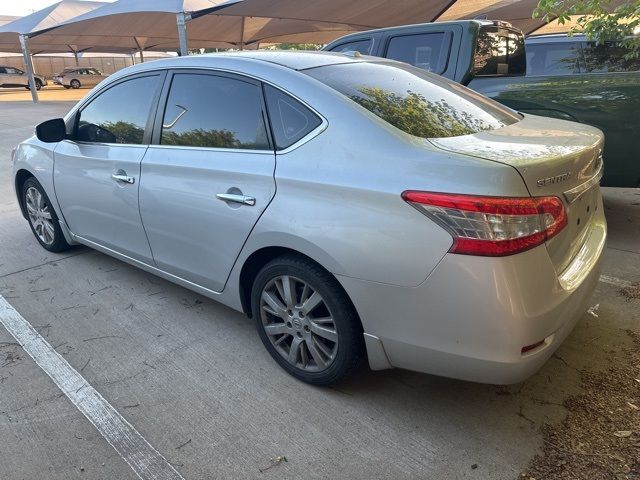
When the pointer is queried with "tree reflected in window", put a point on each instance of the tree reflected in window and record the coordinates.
(414, 114)
(203, 138)
(417, 102)
(211, 111)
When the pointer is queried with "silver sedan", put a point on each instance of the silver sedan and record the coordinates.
(79, 77)
(354, 207)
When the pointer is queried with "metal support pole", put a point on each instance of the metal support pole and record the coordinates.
(75, 55)
(244, 20)
(182, 19)
(29, 64)
(140, 49)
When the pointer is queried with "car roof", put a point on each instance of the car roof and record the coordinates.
(290, 59)
(295, 60)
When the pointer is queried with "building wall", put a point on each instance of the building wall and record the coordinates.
(48, 66)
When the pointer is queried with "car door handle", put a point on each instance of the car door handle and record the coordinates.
(234, 198)
(123, 178)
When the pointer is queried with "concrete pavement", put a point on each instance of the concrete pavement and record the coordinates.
(193, 378)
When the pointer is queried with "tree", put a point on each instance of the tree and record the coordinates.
(601, 20)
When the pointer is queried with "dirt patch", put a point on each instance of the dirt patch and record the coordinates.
(631, 292)
(600, 437)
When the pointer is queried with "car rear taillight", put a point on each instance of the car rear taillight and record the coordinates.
(492, 226)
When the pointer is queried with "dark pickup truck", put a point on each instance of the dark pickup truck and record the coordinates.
(555, 76)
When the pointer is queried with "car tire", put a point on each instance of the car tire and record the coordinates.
(38, 84)
(42, 217)
(75, 84)
(320, 323)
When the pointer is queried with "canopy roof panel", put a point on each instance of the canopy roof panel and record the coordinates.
(357, 13)
(49, 17)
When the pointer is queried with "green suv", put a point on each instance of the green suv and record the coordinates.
(552, 75)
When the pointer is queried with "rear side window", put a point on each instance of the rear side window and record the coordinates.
(120, 114)
(416, 102)
(553, 58)
(215, 112)
(429, 51)
(608, 58)
(362, 46)
(290, 120)
(499, 51)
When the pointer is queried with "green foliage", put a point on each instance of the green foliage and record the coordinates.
(416, 115)
(202, 138)
(598, 19)
(120, 132)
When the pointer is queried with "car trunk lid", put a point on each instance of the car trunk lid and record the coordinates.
(554, 158)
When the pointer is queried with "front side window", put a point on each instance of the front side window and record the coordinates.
(214, 111)
(290, 120)
(429, 51)
(416, 102)
(499, 51)
(361, 46)
(119, 114)
(553, 58)
(608, 57)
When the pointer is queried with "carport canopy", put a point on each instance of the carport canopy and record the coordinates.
(14, 34)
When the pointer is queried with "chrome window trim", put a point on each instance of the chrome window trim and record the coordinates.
(103, 144)
(308, 137)
(211, 149)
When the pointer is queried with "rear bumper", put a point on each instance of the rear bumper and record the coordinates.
(473, 315)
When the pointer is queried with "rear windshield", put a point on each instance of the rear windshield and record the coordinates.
(499, 51)
(417, 102)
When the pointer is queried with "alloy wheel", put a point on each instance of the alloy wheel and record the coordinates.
(299, 324)
(40, 215)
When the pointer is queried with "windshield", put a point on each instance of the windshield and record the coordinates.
(415, 101)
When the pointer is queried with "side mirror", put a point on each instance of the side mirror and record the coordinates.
(52, 131)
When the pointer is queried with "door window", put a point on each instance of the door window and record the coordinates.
(214, 111)
(429, 51)
(120, 114)
(608, 57)
(290, 119)
(553, 58)
(362, 46)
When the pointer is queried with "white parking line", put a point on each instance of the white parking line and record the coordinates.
(616, 282)
(143, 459)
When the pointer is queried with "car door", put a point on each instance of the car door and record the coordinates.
(96, 76)
(16, 77)
(89, 79)
(97, 170)
(208, 175)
